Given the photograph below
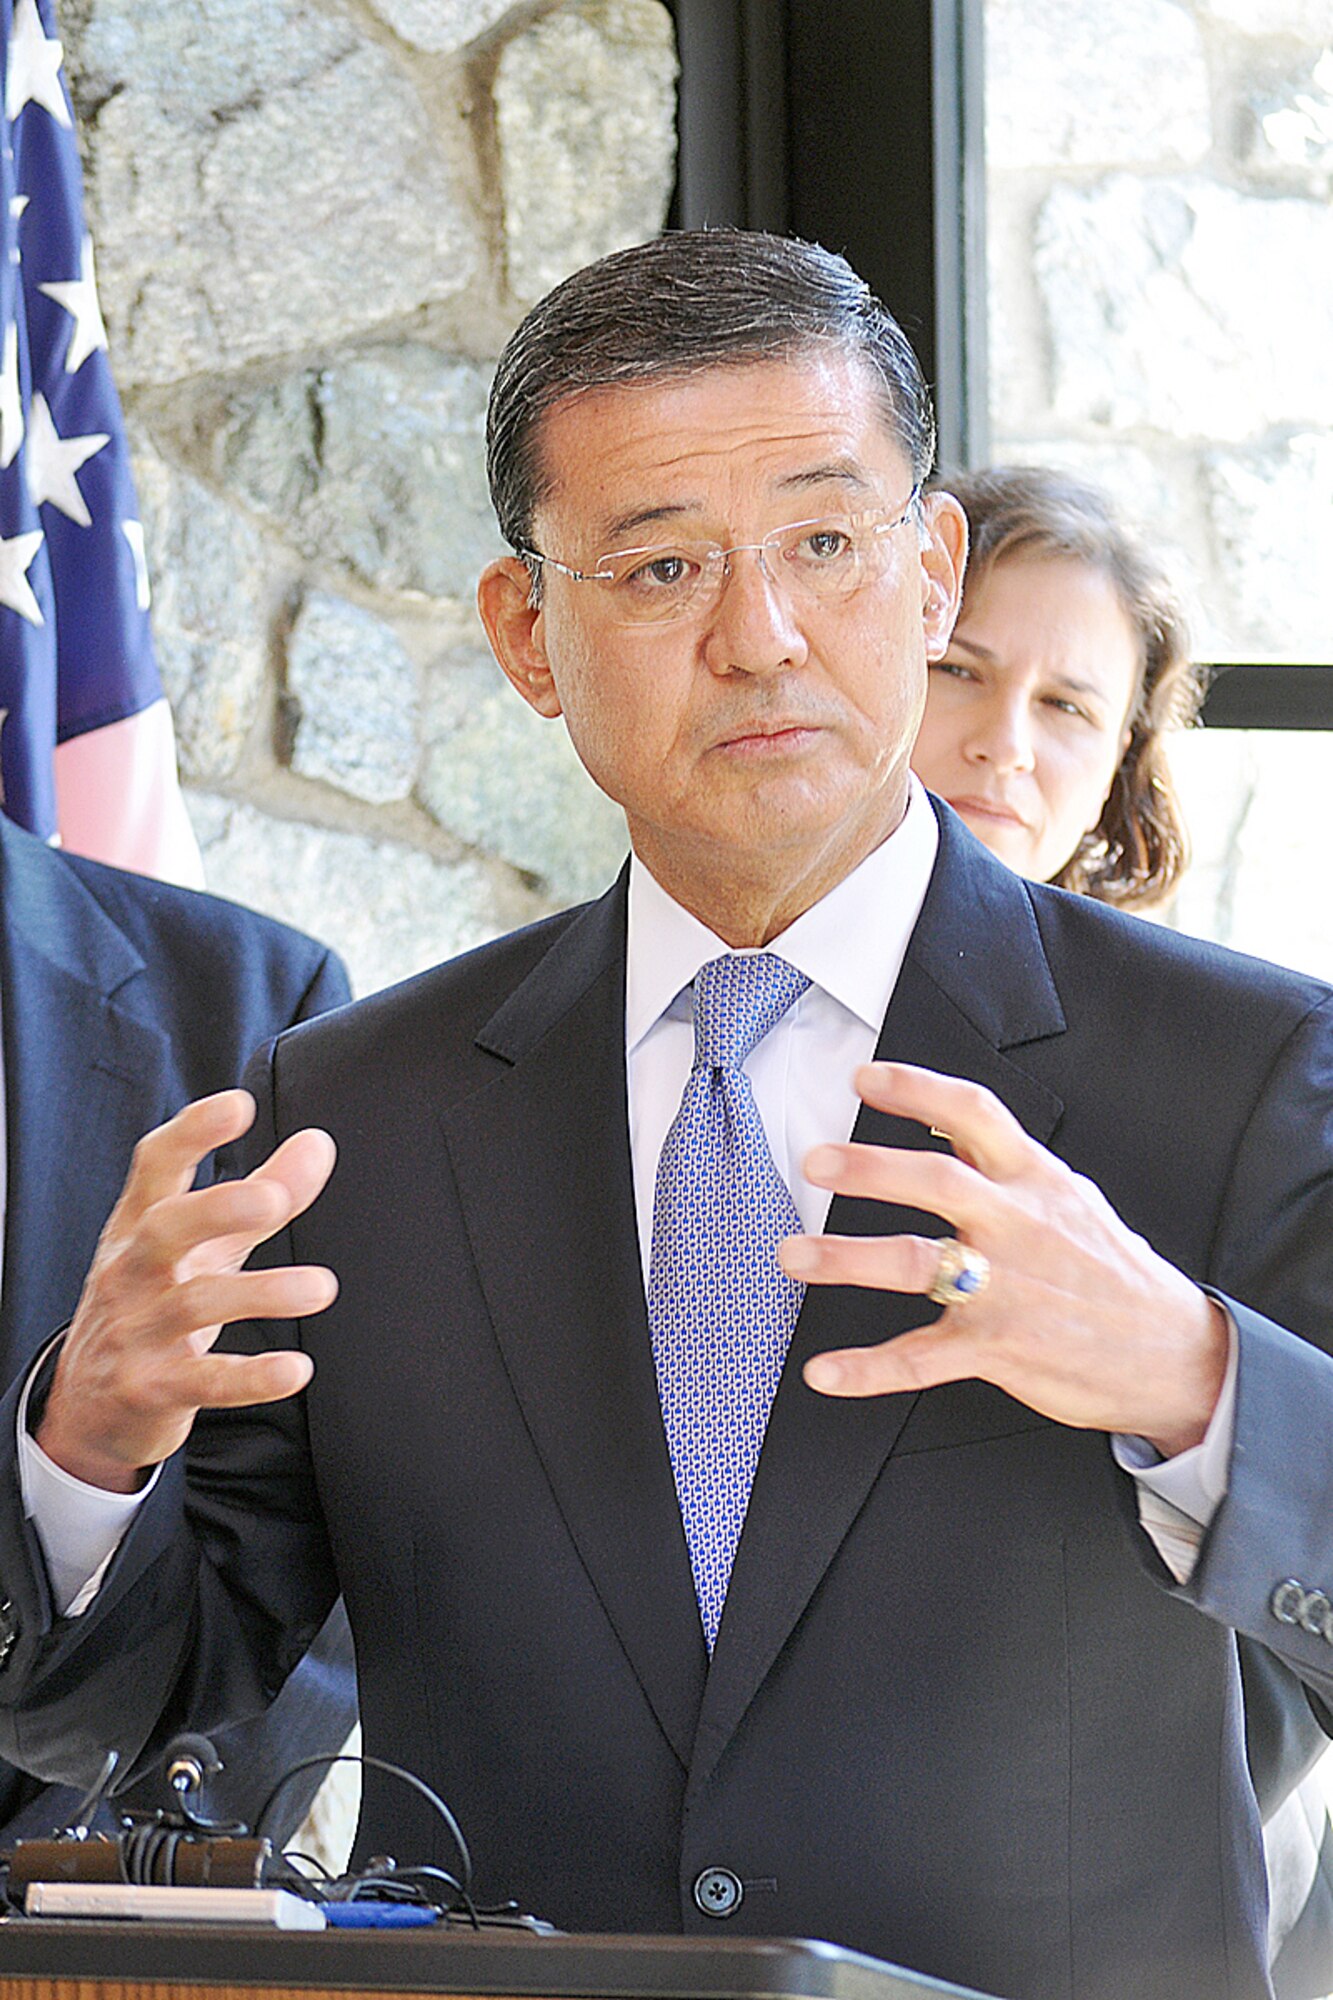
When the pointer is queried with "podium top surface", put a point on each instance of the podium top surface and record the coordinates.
(452, 1961)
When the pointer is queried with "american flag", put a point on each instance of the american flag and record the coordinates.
(87, 752)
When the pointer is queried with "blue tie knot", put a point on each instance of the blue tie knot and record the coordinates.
(737, 999)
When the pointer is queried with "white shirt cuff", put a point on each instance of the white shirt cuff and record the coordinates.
(1178, 1496)
(80, 1527)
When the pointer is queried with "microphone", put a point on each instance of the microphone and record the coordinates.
(174, 1848)
(189, 1759)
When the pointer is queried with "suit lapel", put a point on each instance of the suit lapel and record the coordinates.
(542, 1160)
(975, 980)
(83, 1078)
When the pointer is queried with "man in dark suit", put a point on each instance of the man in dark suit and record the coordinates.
(963, 1689)
(122, 999)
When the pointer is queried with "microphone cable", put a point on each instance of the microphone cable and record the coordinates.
(383, 1880)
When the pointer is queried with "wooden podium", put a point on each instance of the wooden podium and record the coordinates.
(77, 1960)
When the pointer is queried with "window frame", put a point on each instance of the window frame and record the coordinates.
(871, 139)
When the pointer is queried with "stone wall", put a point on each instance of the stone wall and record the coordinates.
(1160, 194)
(316, 223)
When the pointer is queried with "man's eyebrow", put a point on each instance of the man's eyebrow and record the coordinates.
(642, 517)
(846, 471)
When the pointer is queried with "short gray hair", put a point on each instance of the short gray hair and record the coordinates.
(687, 301)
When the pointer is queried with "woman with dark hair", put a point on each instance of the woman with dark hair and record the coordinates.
(1045, 730)
(1045, 720)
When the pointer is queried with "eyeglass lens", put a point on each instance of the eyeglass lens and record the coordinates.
(824, 559)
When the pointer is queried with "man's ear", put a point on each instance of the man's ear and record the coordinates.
(517, 631)
(943, 560)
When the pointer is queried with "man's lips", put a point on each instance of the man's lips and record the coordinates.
(988, 809)
(761, 738)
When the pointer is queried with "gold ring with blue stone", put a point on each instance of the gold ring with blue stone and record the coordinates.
(961, 1275)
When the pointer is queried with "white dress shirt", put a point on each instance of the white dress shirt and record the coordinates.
(851, 947)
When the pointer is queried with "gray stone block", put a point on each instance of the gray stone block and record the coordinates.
(1291, 125)
(260, 179)
(209, 581)
(1306, 20)
(1256, 803)
(585, 113)
(503, 778)
(1271, 509)
(441, 26)
(354, 692)
(390, 909)
(1082, 86)
(375, 465)
(1186, 307)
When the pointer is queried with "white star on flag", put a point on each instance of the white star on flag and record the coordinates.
(52, 461)
(79, 297)
(133, 533)
(33, 76)
(16, 554)
(11, 402)
(17, 205)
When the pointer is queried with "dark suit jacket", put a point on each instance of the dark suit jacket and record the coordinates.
(957, 1715)
(122, 998)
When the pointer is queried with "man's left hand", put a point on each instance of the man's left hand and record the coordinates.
(1081, 1319)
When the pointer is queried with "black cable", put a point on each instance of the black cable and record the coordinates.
(312, 1861)
(462, 1896)
(405, 1885)
(394, 1771)
(309, 1888)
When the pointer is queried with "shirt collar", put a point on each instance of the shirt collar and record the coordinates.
(851, 943)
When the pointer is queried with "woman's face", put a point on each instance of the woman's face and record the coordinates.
(1027, 714)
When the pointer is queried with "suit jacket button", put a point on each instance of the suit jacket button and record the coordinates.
(717, 1892)
(1314, 1614)
(1288, 1601)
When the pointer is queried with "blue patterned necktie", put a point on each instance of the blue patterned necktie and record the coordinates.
(720, 1308)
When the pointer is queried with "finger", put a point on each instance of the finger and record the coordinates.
(935, 1182)
(292, 1292)
(982, 1131)
(945, 1352)
(166, 1159)
(880, 1263)
(234, 1381)
(232, 1217)
(301, 1165)
(237, 1214)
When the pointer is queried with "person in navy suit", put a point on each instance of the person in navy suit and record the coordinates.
(122, 998)
(1052, 1422)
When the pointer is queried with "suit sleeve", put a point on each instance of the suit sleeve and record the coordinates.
(328, 988)
(1266, 1567)
(217, 1590)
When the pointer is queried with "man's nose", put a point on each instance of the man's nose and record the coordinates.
(1000, 734)
(754, 626)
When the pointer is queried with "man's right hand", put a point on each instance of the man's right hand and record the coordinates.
(137, 1362)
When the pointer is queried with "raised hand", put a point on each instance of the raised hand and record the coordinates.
(137, 1362)
(1079, 1317)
